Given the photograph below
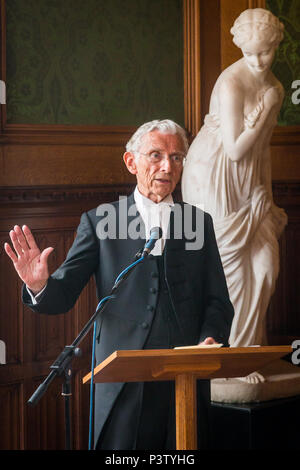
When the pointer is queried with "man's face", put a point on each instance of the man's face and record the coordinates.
(156, 167)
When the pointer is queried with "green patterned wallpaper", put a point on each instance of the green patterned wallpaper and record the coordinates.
(109, 62)
(286, 66)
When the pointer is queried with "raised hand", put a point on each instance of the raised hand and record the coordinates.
(30, 263)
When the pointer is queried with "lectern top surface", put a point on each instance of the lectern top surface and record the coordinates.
(166, 364)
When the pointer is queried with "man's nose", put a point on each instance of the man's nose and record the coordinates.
(166, 164)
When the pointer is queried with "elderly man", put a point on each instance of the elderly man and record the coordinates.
(177, 297)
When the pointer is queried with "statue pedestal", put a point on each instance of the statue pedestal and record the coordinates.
(263, 415)
(279, 379)
(269, 425)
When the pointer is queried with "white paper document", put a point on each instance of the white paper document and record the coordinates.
(201, 346)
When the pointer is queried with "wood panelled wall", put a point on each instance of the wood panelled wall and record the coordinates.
(49, 175)
(34, 341)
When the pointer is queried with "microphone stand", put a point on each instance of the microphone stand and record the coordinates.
(62, 364)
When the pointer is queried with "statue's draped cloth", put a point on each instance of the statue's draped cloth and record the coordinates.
(247, 223)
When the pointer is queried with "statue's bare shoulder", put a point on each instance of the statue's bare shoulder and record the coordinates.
(230, 85)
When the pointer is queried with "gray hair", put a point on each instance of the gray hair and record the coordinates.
(165, 126)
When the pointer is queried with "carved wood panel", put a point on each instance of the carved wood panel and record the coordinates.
(34, 341)
(10, 412)
(283, 324)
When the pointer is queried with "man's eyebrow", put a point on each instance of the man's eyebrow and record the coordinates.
(155, 149)
(175, 152)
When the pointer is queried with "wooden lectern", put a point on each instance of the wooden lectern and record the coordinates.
(185, 366)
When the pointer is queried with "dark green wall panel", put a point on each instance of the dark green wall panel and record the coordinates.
(109, 62)
(286, 66)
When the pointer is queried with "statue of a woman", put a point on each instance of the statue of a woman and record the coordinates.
(228, 173)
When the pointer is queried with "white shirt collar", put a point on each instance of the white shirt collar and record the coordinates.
(154, 215)
(143, 201)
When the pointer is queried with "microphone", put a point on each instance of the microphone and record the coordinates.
(155, 234)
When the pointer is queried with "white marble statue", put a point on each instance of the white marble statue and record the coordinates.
(228, 173)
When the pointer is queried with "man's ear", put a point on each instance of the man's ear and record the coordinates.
(130, 162)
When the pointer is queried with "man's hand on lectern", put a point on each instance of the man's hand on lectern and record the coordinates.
(30, 263)
(209, 340)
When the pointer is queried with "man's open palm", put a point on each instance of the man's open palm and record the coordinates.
(30, 263)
